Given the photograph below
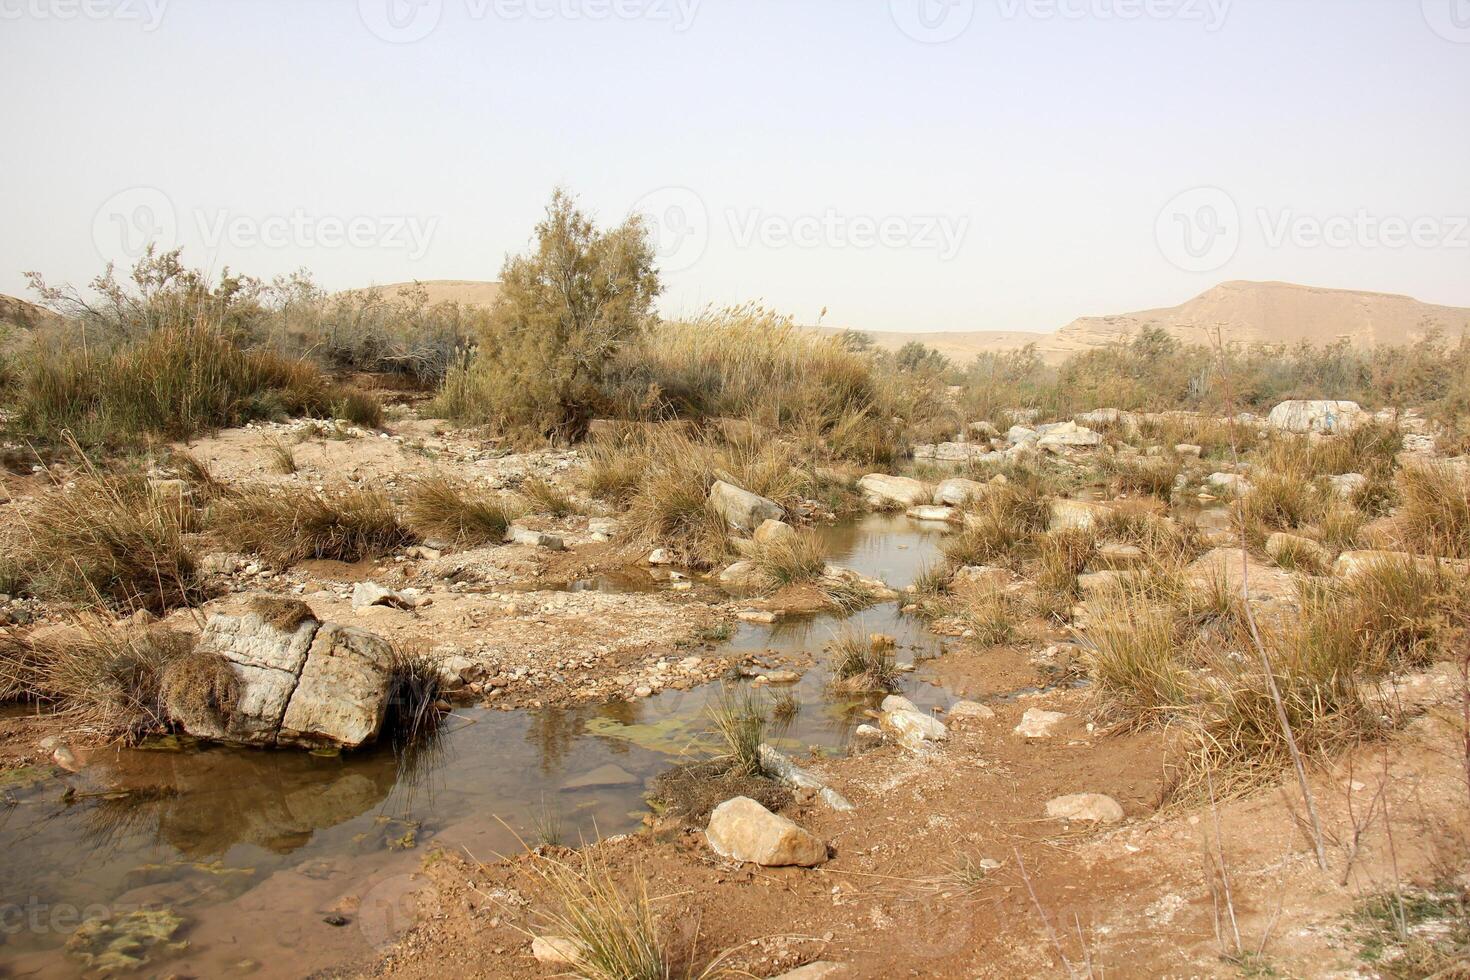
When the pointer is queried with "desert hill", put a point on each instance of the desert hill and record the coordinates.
(15, 312)
(1244, 313)
(470, 292)
(1272, 313)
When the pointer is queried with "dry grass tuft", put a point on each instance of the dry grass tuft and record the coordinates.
(294, 525)
(1434, 510)
(438, 507)
(790, 560)
(613, 928)
(282, 460)
(1133, 651)
(1000, 523)
(544, 498)
(200, 690)
(114, 541)
(740, 721)
(283, 614)
(113, 676)
(863, 664)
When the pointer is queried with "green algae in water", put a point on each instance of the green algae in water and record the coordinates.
(125, 943)
(16, 780)
(675, 735)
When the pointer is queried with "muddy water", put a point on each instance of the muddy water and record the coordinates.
(254, 850)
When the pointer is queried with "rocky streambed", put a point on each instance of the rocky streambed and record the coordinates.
(219, 859)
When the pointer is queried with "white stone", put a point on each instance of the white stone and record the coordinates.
(741, 509)
(1036, 723)
(958, 491)
(743, 830)
(1092, 807)
(901, 490)
(1328, 417)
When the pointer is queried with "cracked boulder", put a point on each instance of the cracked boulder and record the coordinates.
(299, 681)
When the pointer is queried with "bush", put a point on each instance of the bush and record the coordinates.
(174, 382)
(114, 676)
(563, 312)
(1132, 652)
(864, 664)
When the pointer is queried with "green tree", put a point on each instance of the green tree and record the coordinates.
(565, 309)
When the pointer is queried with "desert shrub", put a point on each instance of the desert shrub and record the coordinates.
(669, 506)
(1301, 555)
(1153, 475)
(613, 929)
(174, 382)
(1277, 501)
(1164, 542)
(1339, 527)
(750, 363)
(413, 690)
(562, 313)
(612, 472)
(293, 525)
(203, 485)
(1061, 556)
(1389, 616)
(23, 668)
(998, 524)
(989, 613)
(544, 498)
(740, 720)
(1239, 738)
(356, 406)
(111, 540)
(1434, 510)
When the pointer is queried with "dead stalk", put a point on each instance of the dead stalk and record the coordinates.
(1291, 745)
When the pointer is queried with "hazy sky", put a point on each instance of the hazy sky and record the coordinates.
(908, 164)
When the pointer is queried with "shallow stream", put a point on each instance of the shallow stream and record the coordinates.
(256, 850)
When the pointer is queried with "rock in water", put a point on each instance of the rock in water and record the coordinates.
(742, 509)
(343, 692)
(1093, 807)
(895, 490)
(743, 830)
(300, 682)
(266, 648)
